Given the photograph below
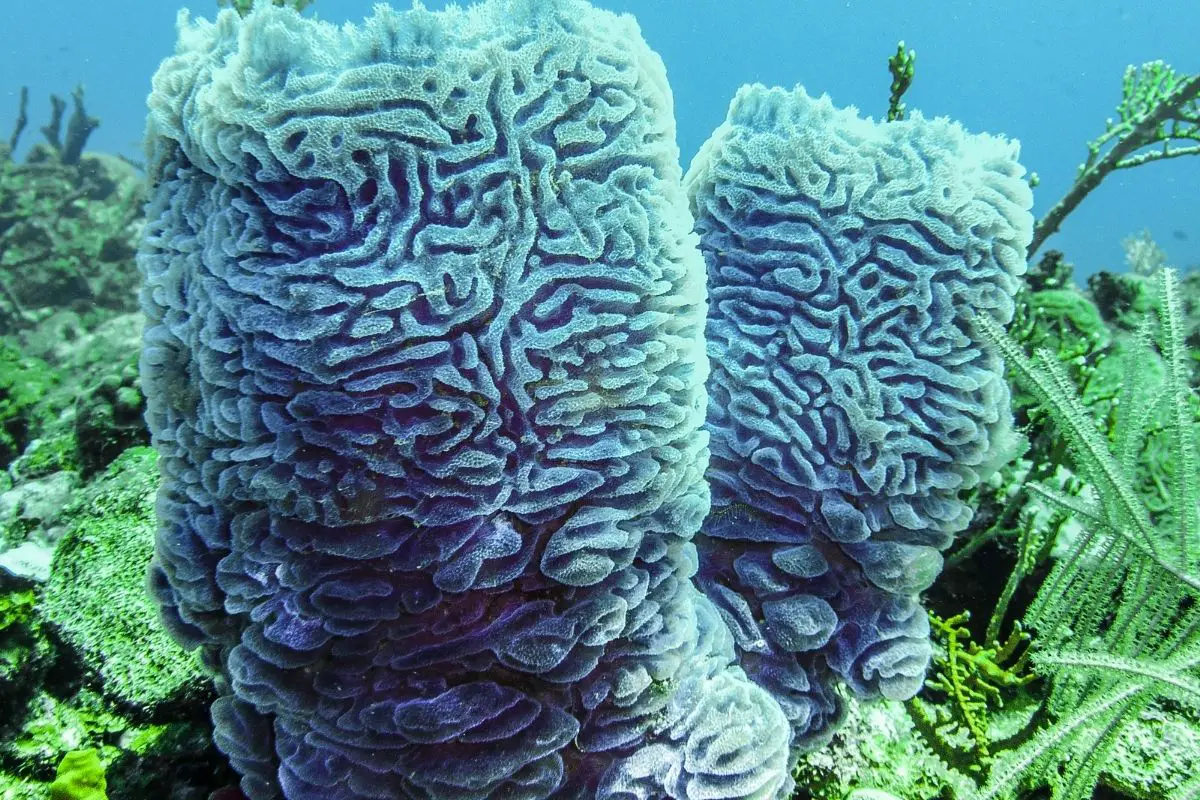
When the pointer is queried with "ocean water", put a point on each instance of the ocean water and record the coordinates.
(1046, 73)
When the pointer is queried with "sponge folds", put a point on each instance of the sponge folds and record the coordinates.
(424, 362)
(850, 402)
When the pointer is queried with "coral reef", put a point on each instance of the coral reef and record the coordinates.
(876, 748)
(103, 674)
(25, 652)
(84, 664)
(24, 383)
(1116, 620)
(69, 224)
(109, 418)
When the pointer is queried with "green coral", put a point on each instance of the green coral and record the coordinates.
(1065, 321)
(49, 726)
(156, 761)
(44, 456)
(16, 608)
(144, 761)
(876, 748)
(1052, 314)
(1123, 299)
(1067, 324)
(1124, 547)
(96, 596)
(1152, 470)
(109, 418)
(80, 777)
(1117, 620)
(14, 787)
(1160, 750)
(25, 652)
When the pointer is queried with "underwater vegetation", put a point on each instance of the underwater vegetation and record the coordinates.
(1158, 118)
(495, 456)
(1117, 619)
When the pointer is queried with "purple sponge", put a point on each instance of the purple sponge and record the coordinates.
(849, 403)
(424, 362)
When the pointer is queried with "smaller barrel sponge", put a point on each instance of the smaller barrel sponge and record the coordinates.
(850, 402)
(424, 363)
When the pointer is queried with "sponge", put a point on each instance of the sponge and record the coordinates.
(850, 404)
(424, 362)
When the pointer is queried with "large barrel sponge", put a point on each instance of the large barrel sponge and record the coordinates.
(850, 402)
(424, 362)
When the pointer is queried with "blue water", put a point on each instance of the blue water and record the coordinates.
(1047, 73)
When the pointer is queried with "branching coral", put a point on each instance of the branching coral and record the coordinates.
(973, 679)
(1158, 118)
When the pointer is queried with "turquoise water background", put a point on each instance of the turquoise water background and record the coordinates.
(1047, 73)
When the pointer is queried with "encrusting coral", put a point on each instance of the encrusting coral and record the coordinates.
(95, 597)
(80, 777)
